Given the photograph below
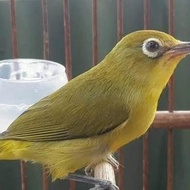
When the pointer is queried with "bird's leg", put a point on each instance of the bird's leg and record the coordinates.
(110, 159)
(89, 169)
(100, 184)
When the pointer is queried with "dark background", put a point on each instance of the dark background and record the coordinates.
(30, 45)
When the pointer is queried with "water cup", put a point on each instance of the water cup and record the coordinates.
(24, 82)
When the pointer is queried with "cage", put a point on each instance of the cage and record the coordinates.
(78, 34)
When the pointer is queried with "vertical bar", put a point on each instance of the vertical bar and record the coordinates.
(119, 19)
(146, 14)
(23, 175)
(45, 182)
(15, 55)
(14, 35)
(170, 153)
(67, 36)
(45, 30)
(170, 143)
(120, 23)
(145, 137)
(94, 33)
(171, 31)
(68, 60)
(13, 29)
(145, 161)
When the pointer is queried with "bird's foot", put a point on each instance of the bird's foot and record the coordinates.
(105, 185)
(100, 184)
(89, 169)
(113, 162)
(110, 159)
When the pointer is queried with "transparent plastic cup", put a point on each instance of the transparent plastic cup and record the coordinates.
(24, 82)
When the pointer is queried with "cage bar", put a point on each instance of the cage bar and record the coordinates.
(103, 170)
(45, 56)
(14, 35)
(145, 137)
(170, 143)
(13, 29)
(171, 32)
(146, 14)
(15, 55)
(145, 161)
(170, 153)
(67, 38)
(120, 22)
(68, 59)
(94, 33)
(23, 175)
(45, 182)
(45, 30)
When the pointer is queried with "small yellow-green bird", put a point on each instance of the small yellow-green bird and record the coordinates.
(93, 115)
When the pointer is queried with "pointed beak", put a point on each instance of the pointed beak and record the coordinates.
(183, 48)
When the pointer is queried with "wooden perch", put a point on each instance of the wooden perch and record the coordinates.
(105, 171)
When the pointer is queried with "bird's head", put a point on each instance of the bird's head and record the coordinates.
(149, 56)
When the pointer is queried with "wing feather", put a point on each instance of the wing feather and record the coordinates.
(74, 111)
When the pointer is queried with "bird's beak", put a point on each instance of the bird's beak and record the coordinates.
(183, 48)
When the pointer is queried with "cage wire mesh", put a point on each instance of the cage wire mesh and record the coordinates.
(78, 34)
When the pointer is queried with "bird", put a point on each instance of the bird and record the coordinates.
(87, 120)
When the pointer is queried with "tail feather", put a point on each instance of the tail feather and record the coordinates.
(12, 149)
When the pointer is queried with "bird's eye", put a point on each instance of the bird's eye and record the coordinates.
(152, 47)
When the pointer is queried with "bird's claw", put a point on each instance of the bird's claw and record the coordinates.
(89, 170)
(105, 185)
(113, 162)
(110, 159)
(100, 184)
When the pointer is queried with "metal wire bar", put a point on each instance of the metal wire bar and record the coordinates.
(145, 161)
(120, 22)
(171, 31)
(170, 162)
(170, 143)
(146, 14)
(94, 33)
(14, 35)
(45, 182)
(23, 175)
(72, 185)
(145, 137)
(45, 30)
(15, 55)
(67, 38)
(45, 56)
(13, 29)
(68, 60)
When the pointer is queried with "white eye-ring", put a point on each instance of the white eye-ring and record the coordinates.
(151, 47)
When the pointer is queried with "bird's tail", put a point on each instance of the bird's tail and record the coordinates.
(12, 149)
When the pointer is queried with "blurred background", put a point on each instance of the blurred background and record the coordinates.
(99, 19)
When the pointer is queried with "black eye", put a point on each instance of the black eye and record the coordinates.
(152, 46)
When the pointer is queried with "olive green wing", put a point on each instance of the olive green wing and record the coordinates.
(74, 111)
